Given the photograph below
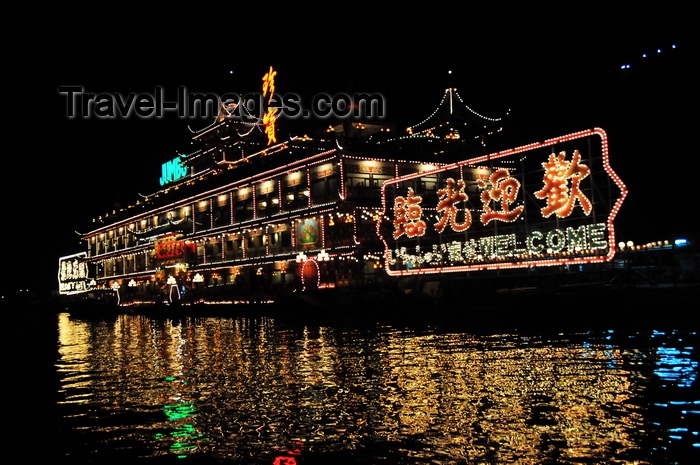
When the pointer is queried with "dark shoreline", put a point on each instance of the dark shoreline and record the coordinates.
(471, 308)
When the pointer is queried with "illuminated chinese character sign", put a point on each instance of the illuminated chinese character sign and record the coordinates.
(544, 204)
(72, 274)
(271, 114)
(170, 249)
(172, 171)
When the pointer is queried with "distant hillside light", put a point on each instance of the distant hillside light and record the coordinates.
(646, 55)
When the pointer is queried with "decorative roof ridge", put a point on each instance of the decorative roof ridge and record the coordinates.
(451, 105)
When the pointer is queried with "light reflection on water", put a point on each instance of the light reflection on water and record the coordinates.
(249, 391)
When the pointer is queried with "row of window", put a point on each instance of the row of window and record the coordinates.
(290, 192)
(235, 247)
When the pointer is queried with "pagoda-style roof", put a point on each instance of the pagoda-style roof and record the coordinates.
(453, 119)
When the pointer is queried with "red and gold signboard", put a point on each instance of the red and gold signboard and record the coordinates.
(324, 171)
(171, 249)
(545, 204)
(373, 169)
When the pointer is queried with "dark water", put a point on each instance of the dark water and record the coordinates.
(258, 391)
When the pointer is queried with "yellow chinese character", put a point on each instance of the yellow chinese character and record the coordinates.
(407, 214)
(269, 122)
(504, 189)
(452, 194)
(558, 171)
(269, 83)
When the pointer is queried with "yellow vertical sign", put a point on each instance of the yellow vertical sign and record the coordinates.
(270, 116)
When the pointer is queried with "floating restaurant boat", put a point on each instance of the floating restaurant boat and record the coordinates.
(246, 218)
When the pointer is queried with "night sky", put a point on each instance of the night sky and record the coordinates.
(556, 72)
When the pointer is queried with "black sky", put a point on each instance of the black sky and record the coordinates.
(556, 72)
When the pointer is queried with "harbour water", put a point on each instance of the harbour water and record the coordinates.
(262, 390)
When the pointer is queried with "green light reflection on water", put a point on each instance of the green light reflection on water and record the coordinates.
(186, 433)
